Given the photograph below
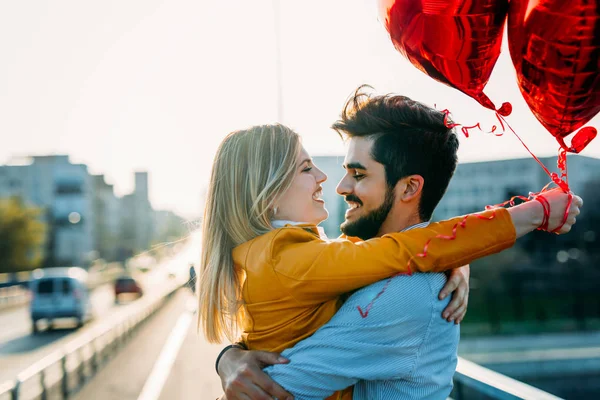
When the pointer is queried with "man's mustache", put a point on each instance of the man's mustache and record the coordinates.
(354, 199)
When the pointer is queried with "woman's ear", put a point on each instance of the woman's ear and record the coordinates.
(411, 187)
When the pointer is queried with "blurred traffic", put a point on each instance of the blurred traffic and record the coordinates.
(66, 302)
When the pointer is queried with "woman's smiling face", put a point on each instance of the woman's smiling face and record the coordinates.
(303, 202)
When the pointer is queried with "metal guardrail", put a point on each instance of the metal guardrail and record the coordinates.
(474, 382)
(65, 371)
(13, 296)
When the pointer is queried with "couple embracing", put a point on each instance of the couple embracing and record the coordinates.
(316, 318)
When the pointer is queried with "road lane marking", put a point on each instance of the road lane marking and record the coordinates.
(162, 368)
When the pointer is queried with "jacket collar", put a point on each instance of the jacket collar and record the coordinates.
(317, 230)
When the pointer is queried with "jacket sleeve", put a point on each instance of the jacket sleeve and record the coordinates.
(317, 271)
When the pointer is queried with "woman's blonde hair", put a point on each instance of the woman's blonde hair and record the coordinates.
(252, 168)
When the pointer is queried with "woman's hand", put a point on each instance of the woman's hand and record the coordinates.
(458, 286)
(559, 201)
(528, 216)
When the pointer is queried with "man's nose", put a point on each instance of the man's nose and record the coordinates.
(344, 187)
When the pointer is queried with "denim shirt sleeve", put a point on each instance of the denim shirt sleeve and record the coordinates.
(382, 346)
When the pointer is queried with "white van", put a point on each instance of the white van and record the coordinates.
(59, 293)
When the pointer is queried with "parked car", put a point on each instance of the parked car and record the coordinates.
(127, 284)
(58, 293)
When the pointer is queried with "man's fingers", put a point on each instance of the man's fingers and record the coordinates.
(245, 390)
(247, 380)
(458, 298)
(449, 287)
(270, 358)
(241, 396)
(240, 391)
(245, 384)
(272, 388)
(459, 314)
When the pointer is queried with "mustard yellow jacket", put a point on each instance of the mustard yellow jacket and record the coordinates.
(294, 279)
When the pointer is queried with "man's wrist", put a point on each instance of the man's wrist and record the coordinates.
(238, 345)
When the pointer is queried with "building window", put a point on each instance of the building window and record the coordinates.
(68, 188)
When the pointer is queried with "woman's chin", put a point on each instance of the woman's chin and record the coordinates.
(322, 217)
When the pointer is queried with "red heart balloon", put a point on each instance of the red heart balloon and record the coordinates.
(456, 42)
(555, 48)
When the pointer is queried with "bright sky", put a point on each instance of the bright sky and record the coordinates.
(155, 84)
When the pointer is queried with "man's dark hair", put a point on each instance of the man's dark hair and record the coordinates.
(409, 137)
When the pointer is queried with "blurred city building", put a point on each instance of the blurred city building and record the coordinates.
(65, 192)
(107, 208)
(169, 226)
(136, 216)
(478, 184)
(85, 219)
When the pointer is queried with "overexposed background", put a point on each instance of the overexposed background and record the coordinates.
(155, 85)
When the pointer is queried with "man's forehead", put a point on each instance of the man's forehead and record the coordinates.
(359, 152)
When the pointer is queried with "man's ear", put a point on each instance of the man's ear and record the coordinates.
(409, 187)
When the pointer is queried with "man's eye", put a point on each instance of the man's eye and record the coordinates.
(358, 177)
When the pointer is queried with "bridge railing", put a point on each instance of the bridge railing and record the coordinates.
(474, 382)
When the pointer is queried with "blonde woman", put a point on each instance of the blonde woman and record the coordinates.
(266, 271)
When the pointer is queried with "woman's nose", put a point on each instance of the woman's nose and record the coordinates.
(321, 176)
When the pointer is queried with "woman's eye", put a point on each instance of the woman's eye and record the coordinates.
(307, 169)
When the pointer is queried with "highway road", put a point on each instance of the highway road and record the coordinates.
(20, 348)
(168, 359)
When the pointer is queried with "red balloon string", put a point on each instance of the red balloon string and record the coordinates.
(466, 129)
(546, 206)
(561, 181)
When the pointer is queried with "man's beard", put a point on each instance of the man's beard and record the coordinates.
(367, 227)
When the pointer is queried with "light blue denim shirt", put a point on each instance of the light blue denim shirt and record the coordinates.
(403, 349)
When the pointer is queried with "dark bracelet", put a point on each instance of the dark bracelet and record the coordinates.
(240, 346)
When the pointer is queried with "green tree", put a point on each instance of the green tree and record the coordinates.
(21, 236)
